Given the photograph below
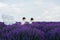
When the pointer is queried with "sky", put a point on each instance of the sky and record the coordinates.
(40, 10)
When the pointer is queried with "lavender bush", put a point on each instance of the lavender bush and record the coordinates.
(34, 31)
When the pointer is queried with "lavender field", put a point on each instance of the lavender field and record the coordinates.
(34, 31)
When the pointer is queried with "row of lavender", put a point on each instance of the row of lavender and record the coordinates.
(34, 31)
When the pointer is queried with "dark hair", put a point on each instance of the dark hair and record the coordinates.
(23, 18)
(32, 19)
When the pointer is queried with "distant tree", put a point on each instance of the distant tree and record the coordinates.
(8, 19)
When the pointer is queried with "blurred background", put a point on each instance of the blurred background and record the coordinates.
(40, 10)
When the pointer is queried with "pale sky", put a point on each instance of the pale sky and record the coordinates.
(40, 10)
